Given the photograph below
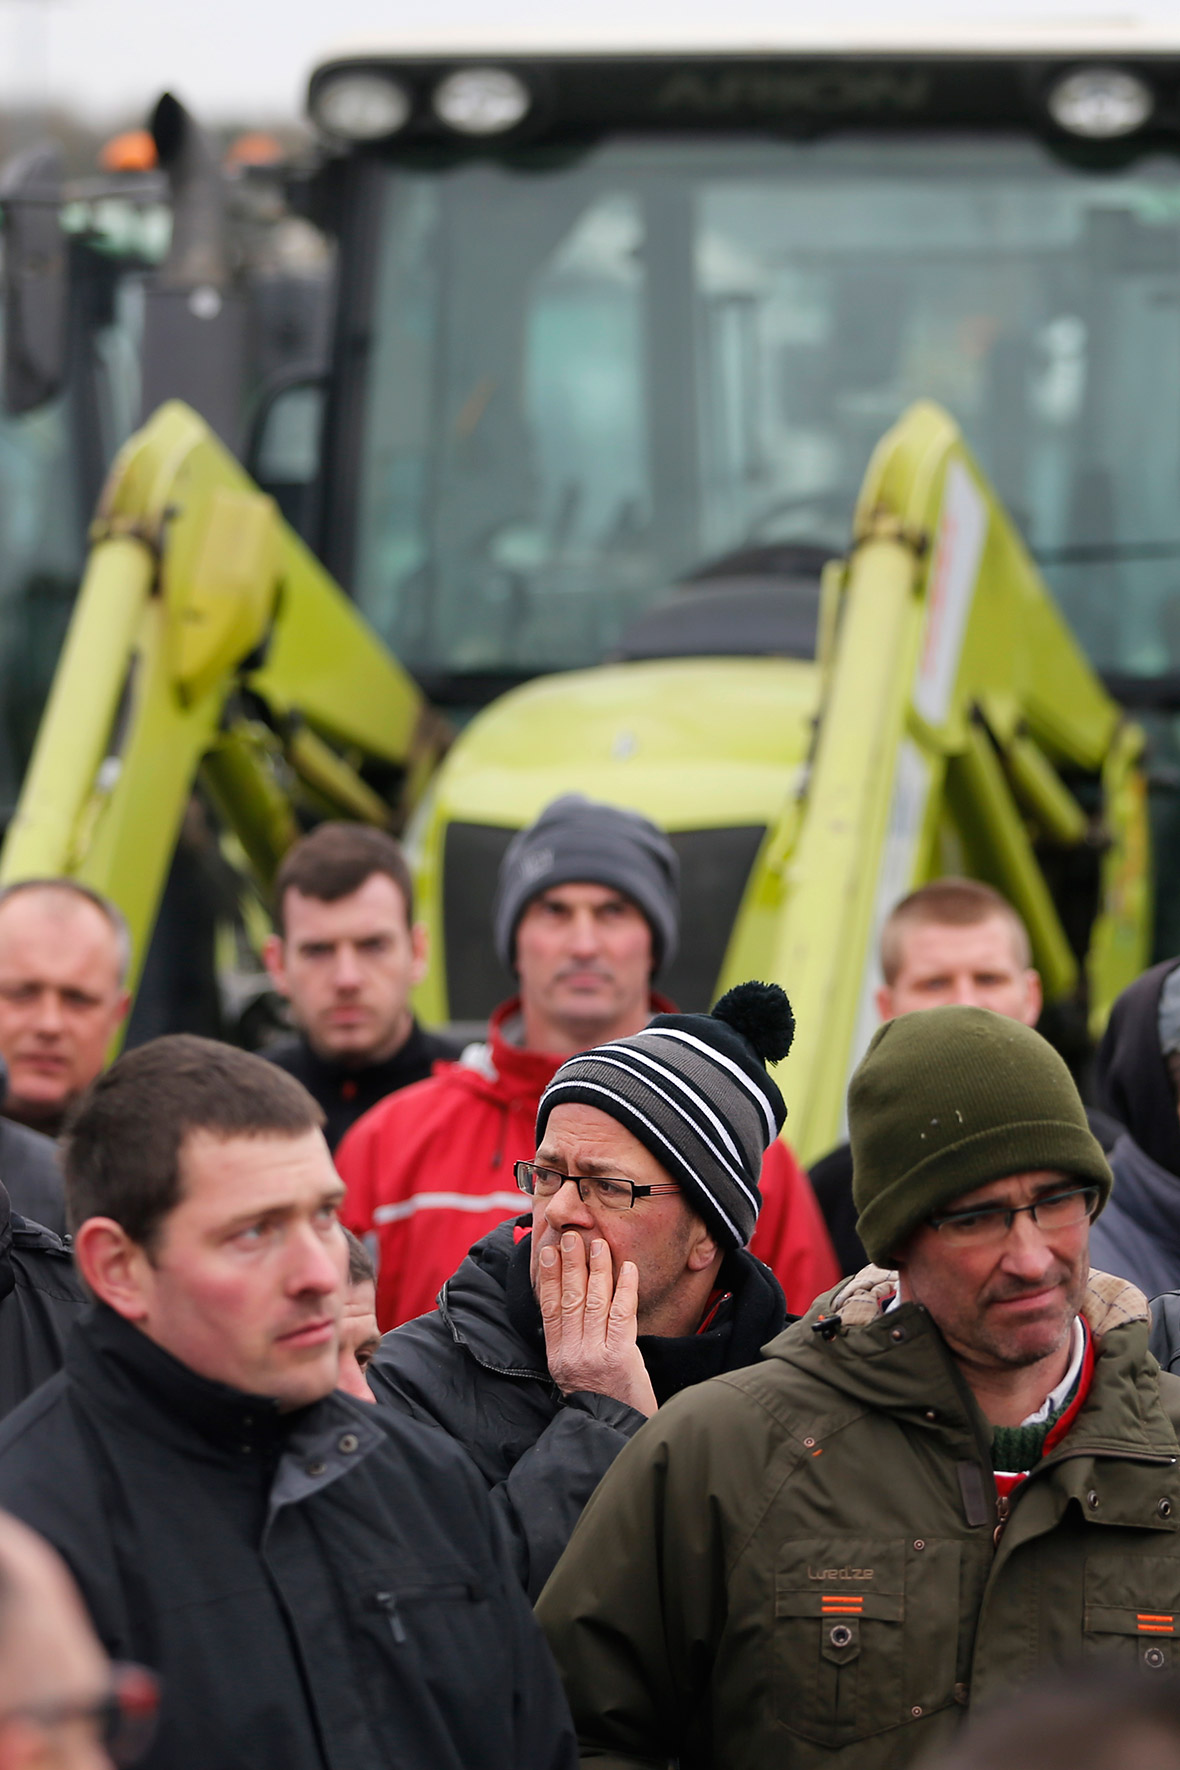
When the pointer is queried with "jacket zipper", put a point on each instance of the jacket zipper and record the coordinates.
(388, 1603)
(1003, 1513)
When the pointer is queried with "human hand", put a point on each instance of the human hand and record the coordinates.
(590, 1323)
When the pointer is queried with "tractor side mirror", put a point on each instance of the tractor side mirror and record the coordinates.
(35, 280)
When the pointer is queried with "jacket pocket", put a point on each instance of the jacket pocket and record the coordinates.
(865, 1634)
(1133, 1610)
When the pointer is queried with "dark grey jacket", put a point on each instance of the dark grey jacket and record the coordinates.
(321, 1590)
(40, 1300)
(477, 1368)
(31, 1175)
(1138, 1234)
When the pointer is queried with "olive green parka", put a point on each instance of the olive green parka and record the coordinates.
(806, 1564)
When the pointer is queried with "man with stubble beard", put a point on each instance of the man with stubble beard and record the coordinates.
(957, 1471)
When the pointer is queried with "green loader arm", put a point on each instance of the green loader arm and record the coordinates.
(960, 729)
(206, 640)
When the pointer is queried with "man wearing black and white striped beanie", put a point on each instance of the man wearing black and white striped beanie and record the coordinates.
(694, 1090)
(628, 1282)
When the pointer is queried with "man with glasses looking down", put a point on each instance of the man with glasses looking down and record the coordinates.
(959, 1469)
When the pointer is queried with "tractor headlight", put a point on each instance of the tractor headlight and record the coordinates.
(1101, 103)
(482, 101)
(360, 106)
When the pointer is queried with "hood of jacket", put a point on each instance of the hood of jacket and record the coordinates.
(1138, 1234)
(900, 1364)
(1131, 1079)
(489, 1310)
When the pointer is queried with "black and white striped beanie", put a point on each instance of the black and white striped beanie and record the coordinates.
(693, 1089)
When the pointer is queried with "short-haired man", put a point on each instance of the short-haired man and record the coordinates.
(953, 941)
(63, 1706)
(586, 914)
(949, 1476)
(317, 1588)
(555, 1340)
(346, 952)
(64, 956)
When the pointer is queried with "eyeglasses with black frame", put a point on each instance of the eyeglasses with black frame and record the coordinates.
(1067, 1209)
(612, 1195)
(124, 1717)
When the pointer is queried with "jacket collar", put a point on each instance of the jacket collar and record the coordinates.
(507, 1067)
(117, 1365)
(899, 1364)
(384, 1076)
(1109, 1302)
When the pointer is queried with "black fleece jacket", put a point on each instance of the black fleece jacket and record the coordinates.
(346, 1090)
(476, 1367)
(40, 1300)
(325, 1589)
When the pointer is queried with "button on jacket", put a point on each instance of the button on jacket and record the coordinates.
(320, 1590)
(803, 1563)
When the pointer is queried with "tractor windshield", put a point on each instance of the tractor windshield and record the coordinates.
(593, 376)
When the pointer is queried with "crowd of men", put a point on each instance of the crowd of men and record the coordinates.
(525, 1404)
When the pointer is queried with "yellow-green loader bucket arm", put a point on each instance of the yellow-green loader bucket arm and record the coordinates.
(957, 713)
(949, 723)
(206, 639)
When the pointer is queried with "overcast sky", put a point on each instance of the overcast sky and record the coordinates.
(247, 59)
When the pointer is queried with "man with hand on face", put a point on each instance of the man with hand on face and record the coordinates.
(64, 956)
(955, 941)
(319, 1588)
(949, 1476)
(346, 954)
(586, 914)
(554, 1342)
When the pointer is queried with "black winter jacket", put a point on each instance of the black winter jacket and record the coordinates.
(346, 1090)
(320, 1590)
(32, 1176)
(40, 1300)
(477, 1368)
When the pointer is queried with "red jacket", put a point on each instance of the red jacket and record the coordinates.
(429, 1171)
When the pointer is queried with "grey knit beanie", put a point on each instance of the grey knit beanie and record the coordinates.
(693, 1089)
(948, 1099)
(578, 841)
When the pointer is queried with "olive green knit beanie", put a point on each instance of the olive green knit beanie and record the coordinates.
(950, 1098)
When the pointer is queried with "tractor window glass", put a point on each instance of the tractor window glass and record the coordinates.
(592, 381)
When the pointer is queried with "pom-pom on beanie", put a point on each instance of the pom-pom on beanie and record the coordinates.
(578, 841)
(693, 1089)
(948, 1099)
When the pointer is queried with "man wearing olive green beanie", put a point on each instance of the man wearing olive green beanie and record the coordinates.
(960, 1469)
(949, 1099)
